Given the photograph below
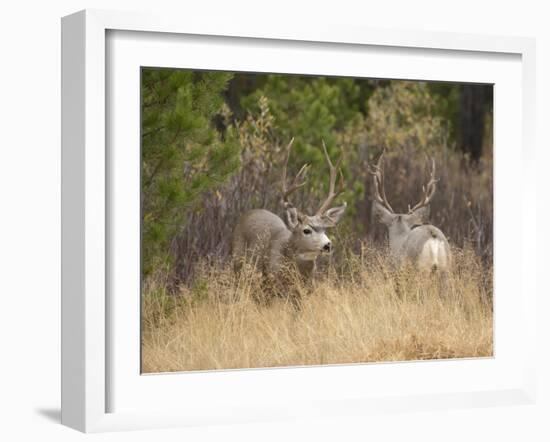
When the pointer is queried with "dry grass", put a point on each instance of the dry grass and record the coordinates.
(364, 312)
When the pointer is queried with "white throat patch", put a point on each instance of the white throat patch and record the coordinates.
(308, 256)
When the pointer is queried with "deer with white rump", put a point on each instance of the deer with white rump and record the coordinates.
(299, 241)
(412, 239)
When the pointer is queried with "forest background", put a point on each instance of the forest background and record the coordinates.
(212, 148)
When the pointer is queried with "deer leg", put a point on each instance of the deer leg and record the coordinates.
(238, 253)
(443, 282)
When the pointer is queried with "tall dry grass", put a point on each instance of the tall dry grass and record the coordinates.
(363, 311)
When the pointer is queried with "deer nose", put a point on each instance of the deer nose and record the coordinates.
(327, 247)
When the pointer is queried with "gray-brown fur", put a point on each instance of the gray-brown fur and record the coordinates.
(299, 240)
(275, 244)
(412, 239)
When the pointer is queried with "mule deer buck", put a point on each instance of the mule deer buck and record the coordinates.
(298, 242)
(412, 239)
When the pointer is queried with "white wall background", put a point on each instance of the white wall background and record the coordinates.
(30, 215)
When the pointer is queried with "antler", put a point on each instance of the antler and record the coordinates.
(334, 172)
(297, 182)
(377, 173)
(427, 191)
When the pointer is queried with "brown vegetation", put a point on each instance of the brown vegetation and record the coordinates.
(462, 206)
(199, 315)
(362, 312)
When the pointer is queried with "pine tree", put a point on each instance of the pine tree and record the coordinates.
(183, 153)
(312, 110)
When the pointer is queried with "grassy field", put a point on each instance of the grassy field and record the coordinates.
(365, 313)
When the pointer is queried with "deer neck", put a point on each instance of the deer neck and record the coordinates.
(304, 261)
(306, 267)
(397, 236)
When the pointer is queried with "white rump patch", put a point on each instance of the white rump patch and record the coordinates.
(433, 255)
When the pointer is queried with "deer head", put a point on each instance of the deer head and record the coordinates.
(309, 231)
(401, 223)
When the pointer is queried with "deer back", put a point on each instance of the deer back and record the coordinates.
(261, 233)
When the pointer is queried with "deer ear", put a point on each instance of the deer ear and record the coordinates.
(332, 216)
(382, 214)
(292, 217)
(423, 213)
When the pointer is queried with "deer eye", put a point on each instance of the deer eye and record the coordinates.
(307, 231)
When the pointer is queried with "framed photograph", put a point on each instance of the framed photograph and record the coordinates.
(275, 223)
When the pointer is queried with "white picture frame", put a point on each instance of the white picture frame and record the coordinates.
(89, 322)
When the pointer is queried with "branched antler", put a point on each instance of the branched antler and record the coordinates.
(377, 173)
(297, 182)
(428, 191)
(335, 172)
